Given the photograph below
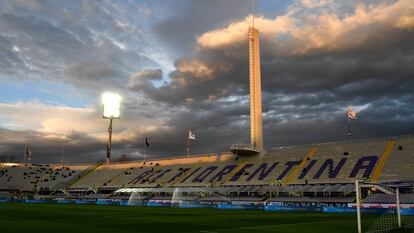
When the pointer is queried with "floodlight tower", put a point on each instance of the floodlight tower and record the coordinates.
(256, 128)
(111, 103)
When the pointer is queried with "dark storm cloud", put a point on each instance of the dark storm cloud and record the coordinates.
(314, 62)
(44, 148)
(370, 68)
(93, 46)
(196, 17)
(83, 46)
(379, 63)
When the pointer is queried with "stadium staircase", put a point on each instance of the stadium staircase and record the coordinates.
(235, 171)
(400, 164)
(79, 177)
(115, 177)
(295, 173)
(380, 165)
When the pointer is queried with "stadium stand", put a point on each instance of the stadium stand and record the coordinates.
(28, 177)
(313, 200)
(389, 199)
(318, 173)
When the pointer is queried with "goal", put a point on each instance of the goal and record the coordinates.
(379, 208)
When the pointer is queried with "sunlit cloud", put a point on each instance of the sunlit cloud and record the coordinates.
(177, 68)
(303, 32)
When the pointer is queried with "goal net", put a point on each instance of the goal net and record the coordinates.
(384, 208)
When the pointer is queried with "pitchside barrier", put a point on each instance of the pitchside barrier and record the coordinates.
(372, 217)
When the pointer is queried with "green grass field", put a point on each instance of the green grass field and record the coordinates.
(60, 218)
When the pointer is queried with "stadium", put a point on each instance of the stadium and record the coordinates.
(355, 185)
(308, 178)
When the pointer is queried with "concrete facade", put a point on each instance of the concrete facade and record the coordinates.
(256, 128)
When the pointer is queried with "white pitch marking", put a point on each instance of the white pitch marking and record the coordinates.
(254, 227)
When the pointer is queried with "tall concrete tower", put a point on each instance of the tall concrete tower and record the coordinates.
(256, 129)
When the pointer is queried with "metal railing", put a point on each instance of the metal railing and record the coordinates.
(173, 157)
(347, 142)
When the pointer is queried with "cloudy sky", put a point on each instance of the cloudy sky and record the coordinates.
(182, 64)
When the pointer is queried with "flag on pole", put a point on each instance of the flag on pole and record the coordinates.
(108, 152)
(191, 135)
(146, 142)
(146, 145)
(351, 114)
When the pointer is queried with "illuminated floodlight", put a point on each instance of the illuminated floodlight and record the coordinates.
(111, 105)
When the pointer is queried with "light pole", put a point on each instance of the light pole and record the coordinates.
(61, 156)
(111, 110)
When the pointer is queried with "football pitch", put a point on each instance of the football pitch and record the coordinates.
(60, 218)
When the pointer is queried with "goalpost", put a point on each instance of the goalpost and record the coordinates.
(379, 217)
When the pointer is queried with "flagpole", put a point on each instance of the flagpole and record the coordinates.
(188, 145)
(61, 157)
(24, 153)
(349, 127)
(145, 151)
